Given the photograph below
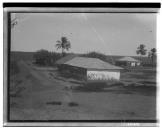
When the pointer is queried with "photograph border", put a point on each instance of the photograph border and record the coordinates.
(65, 8)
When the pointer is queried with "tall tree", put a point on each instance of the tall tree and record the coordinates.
(141, 50)
(63, 44)
(152, 55)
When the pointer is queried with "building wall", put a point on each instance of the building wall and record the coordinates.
(71, 71)
(127, 63)
(138, 64)
(103, 75)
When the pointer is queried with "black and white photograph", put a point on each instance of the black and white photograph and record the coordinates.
(82, 64)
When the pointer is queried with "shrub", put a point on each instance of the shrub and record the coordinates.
(46, 58)
(99, 56)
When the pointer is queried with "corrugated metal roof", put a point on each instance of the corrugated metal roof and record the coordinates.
(65, 59)
(90, 63)
(128, 59)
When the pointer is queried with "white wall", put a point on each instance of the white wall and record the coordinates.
(133, 64)
(103, 75)
(138, 63)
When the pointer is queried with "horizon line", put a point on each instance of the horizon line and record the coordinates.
(82, 53)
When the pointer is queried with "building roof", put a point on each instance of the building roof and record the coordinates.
(90, 63)
(127, 58)
(65, 59)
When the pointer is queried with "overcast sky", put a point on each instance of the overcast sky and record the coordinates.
(109, 33)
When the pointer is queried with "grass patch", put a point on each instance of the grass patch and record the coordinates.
(142, 89)
(16, 91)
(97, 86)
(16, 88)
(147, 82)
(139, 76)
(14, 69)
(117, 88)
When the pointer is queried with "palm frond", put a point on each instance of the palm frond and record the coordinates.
(58, 46)
(63, 43)
(58, 42)
(68, 46)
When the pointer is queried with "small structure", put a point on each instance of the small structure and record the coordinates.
(128, 61)
(91, 69)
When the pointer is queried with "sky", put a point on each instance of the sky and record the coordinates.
(108, 33)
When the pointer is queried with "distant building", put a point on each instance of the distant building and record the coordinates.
(90, 68)
(128, 61)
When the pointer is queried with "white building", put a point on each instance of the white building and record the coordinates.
(128, 61)
(92, 68)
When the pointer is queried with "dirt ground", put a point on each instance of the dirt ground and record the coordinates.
(44, 97)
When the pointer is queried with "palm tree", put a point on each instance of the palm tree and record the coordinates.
(152, 55)
(63, 44)
(141, 50)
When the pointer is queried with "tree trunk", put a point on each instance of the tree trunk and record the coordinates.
(62, 52)
(141, 61)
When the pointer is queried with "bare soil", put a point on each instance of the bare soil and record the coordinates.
(45, 96)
